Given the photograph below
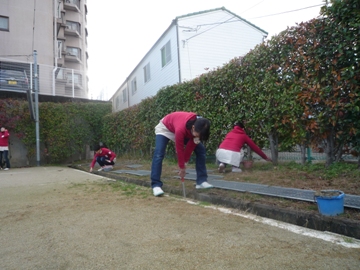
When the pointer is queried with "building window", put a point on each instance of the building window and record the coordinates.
(117, 105)
(133, 86)
(147, 76)
(165, 54)
(73, 52)
(59, 49)
(4, 23)
(73, 26)
(60, 74)
(74, 2)
(77, 78)
(124, 95)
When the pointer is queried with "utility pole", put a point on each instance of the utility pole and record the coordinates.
(36, 78)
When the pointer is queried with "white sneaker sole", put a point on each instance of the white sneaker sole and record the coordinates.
(158, 193)
(201, 187)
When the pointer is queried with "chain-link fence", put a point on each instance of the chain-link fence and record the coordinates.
(56, 81)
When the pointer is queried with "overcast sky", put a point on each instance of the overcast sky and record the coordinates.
(122, 32)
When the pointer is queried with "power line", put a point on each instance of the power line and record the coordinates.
(252, 7)
(228, 20)
(285, 12)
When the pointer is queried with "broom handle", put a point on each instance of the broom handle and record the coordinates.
(183, 184)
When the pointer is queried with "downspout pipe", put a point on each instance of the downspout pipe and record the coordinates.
(127, 90)
(178, 49)
(55, 50)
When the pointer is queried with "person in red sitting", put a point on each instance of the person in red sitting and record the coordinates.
(229, 151)
(105, 158)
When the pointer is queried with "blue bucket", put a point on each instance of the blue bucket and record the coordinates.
(330, 202)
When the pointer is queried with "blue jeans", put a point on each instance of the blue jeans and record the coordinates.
(159, 154)
(5, 155)
(102, 161)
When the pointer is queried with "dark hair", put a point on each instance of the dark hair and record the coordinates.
(239, 124)
(97, 148)
(202, 126)
(102, 145)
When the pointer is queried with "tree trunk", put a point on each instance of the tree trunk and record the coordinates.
(303, 154)
(329, 149)
(273, 139)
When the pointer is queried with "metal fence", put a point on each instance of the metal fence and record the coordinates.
(54, 81)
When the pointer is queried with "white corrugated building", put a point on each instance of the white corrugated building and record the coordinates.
(191, 45)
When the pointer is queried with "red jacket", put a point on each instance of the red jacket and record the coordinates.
(104, 153)
(235, 140)
(4, 138)
(176, 123)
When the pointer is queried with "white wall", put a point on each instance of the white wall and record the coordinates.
(160, 76)
(213, 40)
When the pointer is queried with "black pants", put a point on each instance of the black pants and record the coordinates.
(103, 161)
(6, 159)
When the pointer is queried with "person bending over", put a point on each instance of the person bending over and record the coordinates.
(188, 131)
(229, 151)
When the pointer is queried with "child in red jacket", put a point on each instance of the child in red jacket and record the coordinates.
(229, 151)
(104, 157)
(4, 148)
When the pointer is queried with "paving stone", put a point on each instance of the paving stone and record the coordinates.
(134, 166)
(193, 177)
(134, 172)
(194, 171)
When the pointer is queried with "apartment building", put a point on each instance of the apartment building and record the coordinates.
(56, 30)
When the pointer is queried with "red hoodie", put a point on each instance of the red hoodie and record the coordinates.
(176, 123)
(104, 153)
(235, 140)
(4, 138)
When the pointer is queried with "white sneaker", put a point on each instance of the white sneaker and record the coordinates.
(99, 170)
(107, 168)
(204, 185)
(157, 191)
(221, 168)
(235, 169)
(6, 169)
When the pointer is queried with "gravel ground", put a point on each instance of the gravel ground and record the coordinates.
(61, 218)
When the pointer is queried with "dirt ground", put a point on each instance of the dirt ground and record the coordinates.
(61, 218)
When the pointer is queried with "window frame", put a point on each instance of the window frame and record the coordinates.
(166, 54)
(147, 74)
(124, 95)
(74, 26)
(117, 102)
(133, 86)
(69, 48)
(7, 21)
